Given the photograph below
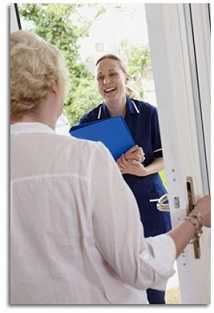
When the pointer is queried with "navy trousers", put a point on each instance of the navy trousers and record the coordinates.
(155, 296)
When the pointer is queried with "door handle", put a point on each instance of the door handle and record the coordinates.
(162, 203)
(163, 206)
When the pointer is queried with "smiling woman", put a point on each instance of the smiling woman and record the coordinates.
(141, 164)
(86, 37)
(112, 77)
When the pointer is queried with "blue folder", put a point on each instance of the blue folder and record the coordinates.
(112, 132)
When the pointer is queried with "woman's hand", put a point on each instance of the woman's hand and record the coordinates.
(183, 233)
(135, 153)
(203, 206)
(131, 166)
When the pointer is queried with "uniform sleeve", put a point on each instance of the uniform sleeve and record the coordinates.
(84, 119)
(118, 231)
(89, 117)
(156, 139)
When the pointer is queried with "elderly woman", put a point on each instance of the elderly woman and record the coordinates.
(65, 243)
(141, 164)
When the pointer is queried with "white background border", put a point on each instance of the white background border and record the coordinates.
(4, 217)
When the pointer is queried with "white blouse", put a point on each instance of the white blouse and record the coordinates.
(75, 230)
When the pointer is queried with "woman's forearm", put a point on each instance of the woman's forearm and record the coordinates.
(182, 235)
(198, 217)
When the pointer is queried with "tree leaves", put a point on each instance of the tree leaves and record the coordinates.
(61, 25)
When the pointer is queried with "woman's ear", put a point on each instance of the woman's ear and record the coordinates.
(55, 88)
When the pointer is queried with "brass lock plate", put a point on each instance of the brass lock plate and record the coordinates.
(191, 201)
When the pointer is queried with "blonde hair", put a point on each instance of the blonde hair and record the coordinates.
(116, 58)
(35, 66)
(129, 90)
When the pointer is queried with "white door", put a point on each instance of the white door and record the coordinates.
(179, 37)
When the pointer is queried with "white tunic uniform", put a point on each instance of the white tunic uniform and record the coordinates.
(75, 231)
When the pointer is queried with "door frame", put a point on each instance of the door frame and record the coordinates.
(181, 68)
(15, 23)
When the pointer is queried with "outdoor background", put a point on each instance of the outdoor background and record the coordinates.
(84, 32)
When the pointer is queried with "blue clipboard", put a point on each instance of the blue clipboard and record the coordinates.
(112, 132)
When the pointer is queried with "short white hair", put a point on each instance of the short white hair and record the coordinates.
(35, 65)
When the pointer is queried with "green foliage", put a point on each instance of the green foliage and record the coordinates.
(85, 97)
(53, 22)
(138, 61)
(139, 58)
(61, 25)
(164, 178)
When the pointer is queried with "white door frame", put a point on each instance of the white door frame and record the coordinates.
(179, 37)
(14, 18)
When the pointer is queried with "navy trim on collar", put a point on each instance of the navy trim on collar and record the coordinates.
(131, 107)
(104, 111)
